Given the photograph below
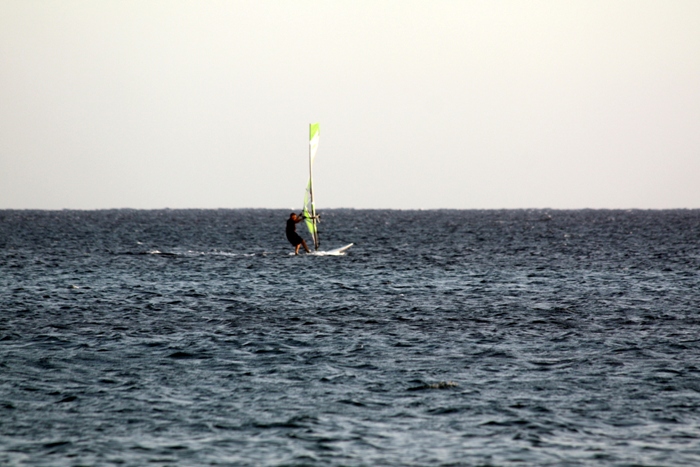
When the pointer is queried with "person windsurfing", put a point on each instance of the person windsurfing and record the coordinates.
(292, 234)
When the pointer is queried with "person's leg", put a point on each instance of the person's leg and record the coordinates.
(296, 248)
(303, 242)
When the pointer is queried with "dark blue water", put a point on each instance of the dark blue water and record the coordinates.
(443, 338)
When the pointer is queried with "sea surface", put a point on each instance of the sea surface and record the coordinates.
(442, 338)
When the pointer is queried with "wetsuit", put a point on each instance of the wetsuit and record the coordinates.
(292, 234)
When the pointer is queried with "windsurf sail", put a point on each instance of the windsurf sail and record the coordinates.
(309, 210)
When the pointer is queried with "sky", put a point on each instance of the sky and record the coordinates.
(422, 104)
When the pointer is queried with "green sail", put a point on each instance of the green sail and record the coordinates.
(309, 210)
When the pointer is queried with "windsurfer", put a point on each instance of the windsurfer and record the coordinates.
(292, 234)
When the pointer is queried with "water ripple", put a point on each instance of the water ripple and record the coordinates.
(442, 338)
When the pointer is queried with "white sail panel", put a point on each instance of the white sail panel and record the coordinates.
(314, 133)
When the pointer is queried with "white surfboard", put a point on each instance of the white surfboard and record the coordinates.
(337, 252)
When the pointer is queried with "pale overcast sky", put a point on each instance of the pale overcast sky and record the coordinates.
(422, 104)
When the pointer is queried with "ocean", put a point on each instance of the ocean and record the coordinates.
(442, 338)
